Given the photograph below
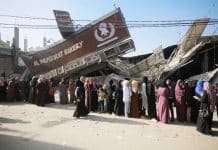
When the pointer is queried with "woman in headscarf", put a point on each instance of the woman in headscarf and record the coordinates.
(87, 95)
(212, 99)
(11, 90)
(189, 93)
(199, 88)
(126, 97)
(119, 106)
(3, 89)
(94, 95)
(152, 101)
(144, 93)
(163, 106)
(40, 92)
(80, 100)
(196, 102)
(204, 119)
(180, 101)
(52, 90)
(134, 107)
(110, 100)
(32, 92)
(71, 89)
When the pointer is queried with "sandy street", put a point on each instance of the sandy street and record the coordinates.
(25, 126)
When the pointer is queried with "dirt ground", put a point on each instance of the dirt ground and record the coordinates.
(25, 126)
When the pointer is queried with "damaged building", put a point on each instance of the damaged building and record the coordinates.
(86, 51)
(97, 49)
(195, 55)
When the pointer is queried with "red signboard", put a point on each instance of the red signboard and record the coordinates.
(97, 35)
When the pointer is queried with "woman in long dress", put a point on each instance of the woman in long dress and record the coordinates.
(71, 89)
(204, 121)
(93, 95)
(126, 97)
(87, 95)
(40, 92)
(196, 103)
(81, 110)
(163, 106)
(144, 95)
(134, 108)
(180, 101)
(152, 101)
(52, 90)
(119, 106)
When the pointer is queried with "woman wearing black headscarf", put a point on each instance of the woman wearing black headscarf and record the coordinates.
(119, 105)
(80, 100)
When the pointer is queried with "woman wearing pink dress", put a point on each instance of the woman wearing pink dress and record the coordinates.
(163, 106)
(180, 101)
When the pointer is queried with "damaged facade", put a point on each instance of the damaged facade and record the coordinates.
(86, 51)
(97, 49)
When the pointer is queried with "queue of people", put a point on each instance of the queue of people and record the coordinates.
(194, 102)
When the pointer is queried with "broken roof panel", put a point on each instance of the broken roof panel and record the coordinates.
(156, 58)
(207, 76)
(193, 34)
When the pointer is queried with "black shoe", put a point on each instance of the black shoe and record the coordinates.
(172, 119)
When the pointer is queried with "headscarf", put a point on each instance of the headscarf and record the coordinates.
(135, 86)
(41, 79)
(125, 83)
(178, 86)
(78, 83)
(199, 87)
(209, 90)
(162, 83)
(145, 80)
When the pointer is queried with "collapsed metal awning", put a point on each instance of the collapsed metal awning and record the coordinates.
(207, 76)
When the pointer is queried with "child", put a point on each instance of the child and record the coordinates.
(101, 97)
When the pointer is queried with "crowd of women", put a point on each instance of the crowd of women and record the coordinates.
(194, 101)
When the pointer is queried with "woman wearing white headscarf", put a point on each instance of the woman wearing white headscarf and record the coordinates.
(126, 97)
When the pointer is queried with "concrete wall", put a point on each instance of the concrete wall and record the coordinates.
(6, 64)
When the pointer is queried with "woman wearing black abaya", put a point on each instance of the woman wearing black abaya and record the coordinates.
(119, 106)
(93, 95)
(195, 105)
(80, 100)
(152, 112)
(204, 121)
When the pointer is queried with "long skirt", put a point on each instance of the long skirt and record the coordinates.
(204, 125)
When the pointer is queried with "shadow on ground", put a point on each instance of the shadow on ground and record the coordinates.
(53, 123)
(113, 120)
(61, 106)
(8, 120)
(8, 142)
(9, 130)
(182, 123)
(14, 103)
